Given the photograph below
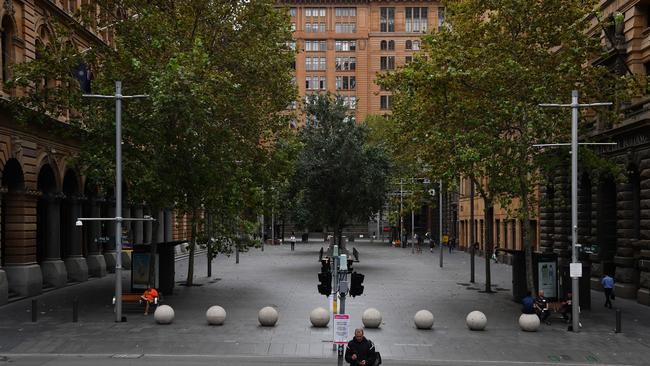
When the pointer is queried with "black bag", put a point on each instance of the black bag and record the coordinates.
(377, 359)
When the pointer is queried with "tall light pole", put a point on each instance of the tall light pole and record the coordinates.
(575, 266)
(440, 220)
(118, 192)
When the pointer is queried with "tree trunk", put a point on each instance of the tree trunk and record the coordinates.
(489, 243)
(190, 264)
(527, 244)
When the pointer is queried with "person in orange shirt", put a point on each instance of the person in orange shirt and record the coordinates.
(149, 296)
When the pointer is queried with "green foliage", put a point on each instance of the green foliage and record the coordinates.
(218, 75)
(340, 177)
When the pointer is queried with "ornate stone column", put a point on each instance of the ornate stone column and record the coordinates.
(96, 262)
(110, 256)
(75, 263)
(23, 273)
(643, 293)
(4, 285)
(127, 228)
(545, 220)
(627, 276)
(54, 271)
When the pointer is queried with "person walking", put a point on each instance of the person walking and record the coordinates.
(608, 286)
(451, 243)
(292, 240)
(360, 351)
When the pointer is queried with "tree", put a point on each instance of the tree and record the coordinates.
(470, 103)
(340, 177)
(218, 74)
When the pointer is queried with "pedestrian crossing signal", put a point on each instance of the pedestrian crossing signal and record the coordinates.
(325, 285)
(356, 284)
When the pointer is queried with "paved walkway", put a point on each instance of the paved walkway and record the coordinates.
(397, 283)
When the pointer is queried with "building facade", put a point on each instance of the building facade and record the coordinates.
(343, 45)
(614, 204)
(41, 193)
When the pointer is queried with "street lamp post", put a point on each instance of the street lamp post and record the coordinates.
(118, 192)
(575, 266)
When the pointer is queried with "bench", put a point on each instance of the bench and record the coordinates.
(555, 307)
(134, 300)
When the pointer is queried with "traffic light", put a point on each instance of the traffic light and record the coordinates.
(356, 284)
(325, 285)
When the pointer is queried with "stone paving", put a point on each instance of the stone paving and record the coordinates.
(397, 282)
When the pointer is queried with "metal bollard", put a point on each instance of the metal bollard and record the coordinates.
(618, 321)
(75, 310)
(34, 310)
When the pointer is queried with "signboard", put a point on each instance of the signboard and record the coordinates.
(445, 239)
(140, 270)
(341, 326)
(386, 228)
(547, 279)
(575, 270)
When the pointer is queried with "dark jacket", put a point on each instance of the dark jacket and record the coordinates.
(365, 350)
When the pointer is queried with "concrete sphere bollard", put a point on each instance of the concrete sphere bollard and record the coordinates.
(164, 314)
(529, 322)
(319, 317)
(476, 320)
(268, 316)
(371, 318)
(216, 315)
(423, 319)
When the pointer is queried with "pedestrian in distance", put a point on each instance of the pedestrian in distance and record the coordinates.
(541, 308)
(451, 243)
(528, 304)
(292, 240)
(608, 287)
(420, 241)
(360, 351)
(149, 297)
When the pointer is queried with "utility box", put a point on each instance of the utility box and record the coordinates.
(545, 276)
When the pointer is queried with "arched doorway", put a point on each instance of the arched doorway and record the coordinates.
(71, 234)
(18, 233)
(92, 231)
(606, 230)
(48, 230)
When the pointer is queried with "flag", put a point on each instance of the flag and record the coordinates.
(83, 76)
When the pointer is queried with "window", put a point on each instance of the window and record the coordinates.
(408, 59)
(346, 63)
(408, 45)
(315, 27)
(346, 82)
(346, 27)
(344, 46)
(350, 101)
(321, 27)
(315, 63)
(385, 102)
(383, 45)
(316, 46)
(7, 48)
(387, 45)
(293, 26)
(291, 45)
(308, 83)
(315, 12)
(441, 17)
(416, 45)
(322, 84)
(293, 12)
(345, 12)
(387, 63)
(416, 19)
(391, 45)
(387, 20)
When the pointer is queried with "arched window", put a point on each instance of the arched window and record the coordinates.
(6, 38)
(409, 45)
(391, 45)
(383, 45)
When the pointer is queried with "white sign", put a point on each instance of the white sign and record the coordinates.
(575, 270)
(341, 325)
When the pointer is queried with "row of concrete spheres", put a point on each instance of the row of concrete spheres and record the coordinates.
(320, 317)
